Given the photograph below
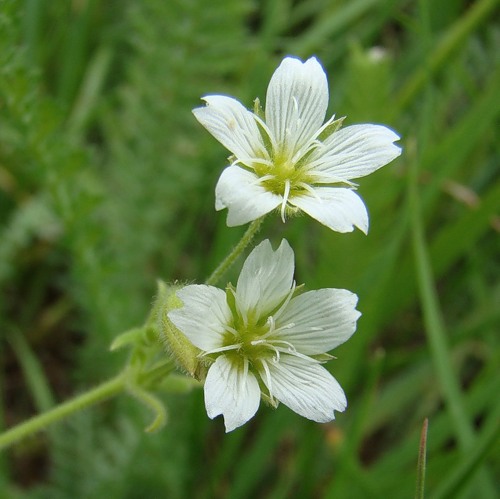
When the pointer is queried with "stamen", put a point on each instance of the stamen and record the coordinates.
(250, 162)
(273, 329)
(285, 303)
(302, 152)
(291, 348)
(262, 179)
(266, 335)
(221, 349)
(263, 161)
(269, 344)
(286, 326)
(277, 352)
(232, 330)
(285, 199)
(293, 351)
(268, 379)
(257, 342)
(266, 129)
(272, 325)
(310, 189)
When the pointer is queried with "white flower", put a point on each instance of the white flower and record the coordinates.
(289, 158)
(265, 339)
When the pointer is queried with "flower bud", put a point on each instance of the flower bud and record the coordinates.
(182, 350)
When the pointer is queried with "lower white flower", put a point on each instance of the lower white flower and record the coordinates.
(267, 340)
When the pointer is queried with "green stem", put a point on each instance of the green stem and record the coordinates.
(37, 423)
(236, 252)
(153, 403)
(419, 493)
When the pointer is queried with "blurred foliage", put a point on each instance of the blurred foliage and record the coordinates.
(106, 184)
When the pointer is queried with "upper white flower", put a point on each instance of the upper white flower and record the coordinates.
(265, 339)
(288, 158)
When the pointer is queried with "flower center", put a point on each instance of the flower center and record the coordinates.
(286, 178)
(255, 342)
(283, 174)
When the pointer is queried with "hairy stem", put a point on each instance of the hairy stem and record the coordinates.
(226, 264)
(38, 423)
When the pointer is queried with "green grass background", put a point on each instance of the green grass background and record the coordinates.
(107, 183)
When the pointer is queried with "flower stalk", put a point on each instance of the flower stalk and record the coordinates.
(226, 264)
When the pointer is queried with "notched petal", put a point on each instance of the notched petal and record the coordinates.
(266, 277)
(296, 103)
(307, 388)
(338, 208)
(319, 320)
(355, 151)
(231, 391)
(232, 125)
(203, 316)
(246, 199)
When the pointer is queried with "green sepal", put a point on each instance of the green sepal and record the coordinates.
(230, 297)
(259, 112)
(333, 127)
(257, 109)
(184, 353)
(323, 357)
(274, 403)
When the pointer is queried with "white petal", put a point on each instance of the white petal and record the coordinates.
(232, 125)
(296, 102)
(232, 392)
(306, 387)
(266, 278)
(319, 321)
(239, 191)
(355, 151)
(204, 316)
(338, 208)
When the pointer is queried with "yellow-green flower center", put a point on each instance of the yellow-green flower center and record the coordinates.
(252, 341)
(284, 177)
